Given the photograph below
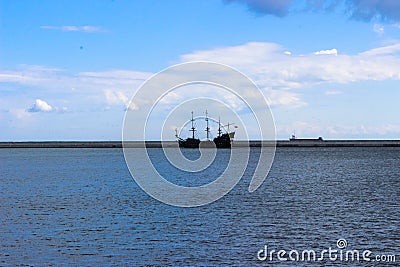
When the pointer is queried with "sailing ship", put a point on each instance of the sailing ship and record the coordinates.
(223, 140)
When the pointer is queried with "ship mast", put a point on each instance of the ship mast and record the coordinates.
(228, 126)
(219, 126)
(192, 129)
(207, 128)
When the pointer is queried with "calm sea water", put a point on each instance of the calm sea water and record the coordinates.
(81, 207)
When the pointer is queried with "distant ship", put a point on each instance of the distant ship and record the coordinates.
(223, 140)
(294, 138)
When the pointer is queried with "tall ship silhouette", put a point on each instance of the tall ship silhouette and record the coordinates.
(223, 140)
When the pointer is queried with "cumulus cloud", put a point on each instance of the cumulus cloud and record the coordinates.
(274, 71)
(280, 75)
(270, 67)
(327, 52)
(71, 28)
(40, 106)
(385, 10)
(112, 87)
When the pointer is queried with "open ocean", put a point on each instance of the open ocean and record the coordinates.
(81, 207)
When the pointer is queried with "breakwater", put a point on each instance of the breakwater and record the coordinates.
(158, 144)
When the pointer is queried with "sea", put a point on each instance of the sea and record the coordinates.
(81, 207)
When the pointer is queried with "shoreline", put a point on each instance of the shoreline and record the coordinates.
(157, 144)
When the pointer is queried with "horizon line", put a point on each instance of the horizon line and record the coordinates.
(173, 144)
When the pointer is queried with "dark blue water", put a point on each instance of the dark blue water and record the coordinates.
(81, 207)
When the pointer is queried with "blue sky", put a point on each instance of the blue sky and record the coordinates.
(327, 68)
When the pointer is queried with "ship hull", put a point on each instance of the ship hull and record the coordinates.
(189, 143)
(223, 141)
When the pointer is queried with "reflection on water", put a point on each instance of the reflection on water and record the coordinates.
(81, 207)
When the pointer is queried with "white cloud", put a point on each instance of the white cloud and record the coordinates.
(132, 106)
(115, 97)
(277, 73)
(301, 129)
(310, 130)
(268, 66)
(171, 97)
(113, 87)
(280, 76)
(119, 98)
(382, 51)
(20, 114)
(388, 129)
(378, 29)
(40, 106)
(334, 92)
(29, 74)
(71, 28)
(327, 52)
(284, 98)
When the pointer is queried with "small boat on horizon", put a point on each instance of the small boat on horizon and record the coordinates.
(223, 140)
(294, 138)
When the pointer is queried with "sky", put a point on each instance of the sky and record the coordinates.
(68, 69)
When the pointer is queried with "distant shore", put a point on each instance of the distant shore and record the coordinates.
(157, 144)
